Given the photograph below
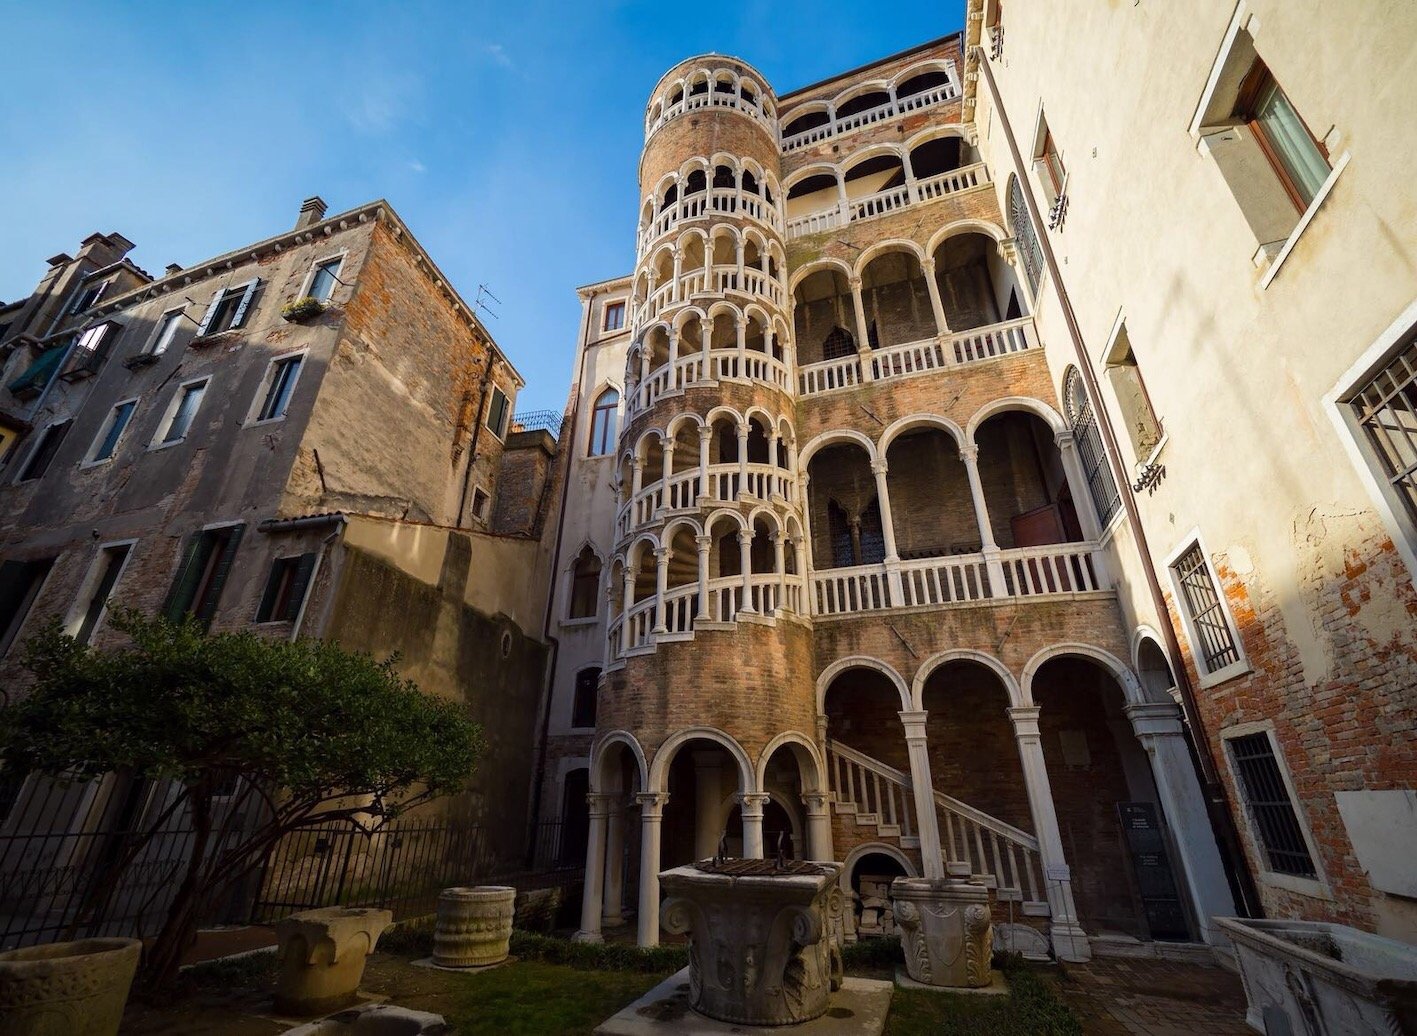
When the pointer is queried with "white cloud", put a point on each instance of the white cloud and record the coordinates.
(417, 166)
(498, 54)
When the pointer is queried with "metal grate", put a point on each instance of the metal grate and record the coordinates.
(1023, 234)
(1101, 486)
(1386, 408)
(538, 421)
(1267, 797)
(1217, 644)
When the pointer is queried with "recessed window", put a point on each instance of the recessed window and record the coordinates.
(42, 455)
(99, 588)
(1048, 162)
(20, 583)
(1212, 639)
(614, 316)
(111, 434)
(324, 279)
(585, 585)
(480, 500)
(1265, 790)
(1143, 429)
(1385, 408)
(279, 384)
(497, 412)
(583, 701)
(182, 411)
(1025, 235)
(1299, 161)
(206, 563)
(167, 327)
(1101, 486)
(286, 588)
(602, 423)
(88, 296)
(229, 309)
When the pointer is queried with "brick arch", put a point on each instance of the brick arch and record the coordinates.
(841, 665)
(928, 667)
(1120, 671)
(664, 755)
(848, 865)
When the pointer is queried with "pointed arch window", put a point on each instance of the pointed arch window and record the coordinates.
(602, 423)
(1100, 483)
(585, 585)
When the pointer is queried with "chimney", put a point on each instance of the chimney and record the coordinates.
(312, 210)
(172, 268)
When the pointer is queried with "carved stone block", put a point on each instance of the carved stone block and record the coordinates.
(945, 930)
(322, 955)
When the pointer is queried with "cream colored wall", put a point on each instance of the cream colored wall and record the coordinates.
(1237, 372)
(590, 513)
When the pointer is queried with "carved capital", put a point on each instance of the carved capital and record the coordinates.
(652, 804)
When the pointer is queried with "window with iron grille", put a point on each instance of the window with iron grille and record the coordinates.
(1386, 409)
(1267, 798)
(1214, 642)
(1027, 241)
(1100, 483)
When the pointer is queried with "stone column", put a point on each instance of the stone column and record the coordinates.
(651, 819)
(1158, 727)
(927, 821)
(863, 338)
(742, 327)
(666, 474)
(779, 556)
(661, 586)
(970, 456)
(676, 293)
(599, 805)
(942, 326)
(610, 912)
(752, 805)
(1088, 517)
(743, 430)
(674, 354)
(708, 783)
(819, 825)
(628, 603)
(804, 501)
(705, 434)
(843, 204)
(1069, 940)
(705, 544)
(637, 477)
(892, 561)
(745, 556)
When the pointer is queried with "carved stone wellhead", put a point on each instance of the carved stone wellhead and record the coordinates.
(946, 931)
(764, 948)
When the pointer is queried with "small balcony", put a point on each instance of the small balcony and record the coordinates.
(830, 119)
(680, 204)
(894, 199)
(722, 280)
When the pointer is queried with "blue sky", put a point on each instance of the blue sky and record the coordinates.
(506, 135)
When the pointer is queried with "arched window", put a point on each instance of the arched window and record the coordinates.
(838, 343)
(1023, 234)
(602, 423)
(583, 702)
(1100, 484)
(585, 585)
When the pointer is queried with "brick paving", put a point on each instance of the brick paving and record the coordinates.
(1131, 997)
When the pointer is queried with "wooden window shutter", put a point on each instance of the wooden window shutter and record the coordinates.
(207, 607)
(246, 296)
(300, 583)
(211, 311)
(184, 584)
(272, 591)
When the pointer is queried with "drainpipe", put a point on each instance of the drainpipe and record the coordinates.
(1220, 816)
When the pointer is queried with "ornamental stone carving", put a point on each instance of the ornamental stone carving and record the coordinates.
(322, 954)
(74, 988)
(474, 927)
(945, 930)
(762, 948)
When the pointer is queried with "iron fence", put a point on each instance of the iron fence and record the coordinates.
(538, 420)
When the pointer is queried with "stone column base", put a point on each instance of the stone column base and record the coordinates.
(1070, 943)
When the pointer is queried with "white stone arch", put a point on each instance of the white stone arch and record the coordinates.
(724, 306)
(1126, 679)
(870, 86)
(841, 665)
(779, 326)
(634, 553)
(806, 108)
(1142, 633)
(937, 132)
(921, 67)
(712, 520)
(988, 661)
(785, 428)
(766, 511)
(664, 755)
(672, 526)
(835, 437)
(1028, 404)
(809, 171)
(575, 556)
(649, 329)
(727, 158)
(754, 312)
(696, 163)
(677, 423)
(685, 315)
(765, 416)
(792, 525)
(756, 236)
(661, 186)
(880, 248)
(815, 781)
(723, 410)
(965, 226)
(643, 443)
(853, 858)
(865, 154)
(911, 422)
(682, 240)
(598, 754)
(816, 266)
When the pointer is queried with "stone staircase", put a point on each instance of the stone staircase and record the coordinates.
(875, 795)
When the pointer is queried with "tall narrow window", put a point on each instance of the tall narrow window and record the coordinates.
(1213, 642)
(20, 583)
(197, 587)
(1266, 794)
(280, 382)
(1143, 429)
(614, 316)
(1050, 163)
(583, 703)
(179, 421)
(167, 327)
(88, 296)
(602, 423)
(497, 412)
(1101, 486)
(228, 309)
(1300, 161)
(1025, 236)
(585, 585)
(1386, 411)
(37, 463)
(286, 588)
(104, 576)
(324, 279)
(111, 434)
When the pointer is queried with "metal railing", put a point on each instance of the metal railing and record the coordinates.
(538, 421)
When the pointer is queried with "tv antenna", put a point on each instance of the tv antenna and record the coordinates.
(483, 294)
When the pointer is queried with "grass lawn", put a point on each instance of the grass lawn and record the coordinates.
(528, 997)
(1032, 1008)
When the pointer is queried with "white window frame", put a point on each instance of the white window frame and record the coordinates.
(624, 316)
(90, 459)
(87, 588)
(170, 411)
(507, 415)
(485, 518)
(1399, 525)
(315, 265)
(1243, 20)
(28, 455)
(253, 416)
(248, 291)
(1316, 886)
(150, 347)
(1037, 160)
(1241, 665)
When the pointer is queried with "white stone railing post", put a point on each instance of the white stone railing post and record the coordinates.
(661, 586)
(704, 543)
(745, 557)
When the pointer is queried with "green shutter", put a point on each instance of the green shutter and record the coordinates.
(207, 608)
(299, 584)
(184, 585)
(268, 598)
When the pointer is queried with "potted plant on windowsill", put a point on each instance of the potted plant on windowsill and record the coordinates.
(302, 308)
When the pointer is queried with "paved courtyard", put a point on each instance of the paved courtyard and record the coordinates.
(1114, 996)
